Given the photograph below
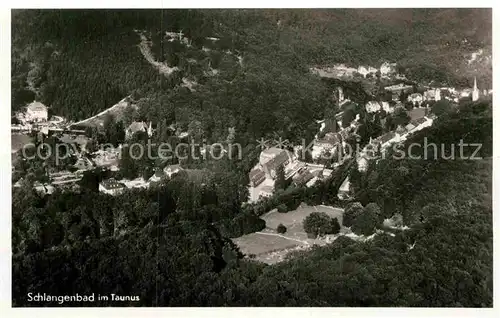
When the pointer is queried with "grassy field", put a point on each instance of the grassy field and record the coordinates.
(293, 219)
(270, 247)
(116, 111)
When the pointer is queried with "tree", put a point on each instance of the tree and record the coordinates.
(367, 221)
(348, 116)
(400, 117)
(281, 228)
(319, 223)
(282, 208)
(90, 181)
(373, 208)
(280, 182)
(128, 165)
(442, 107)
(351, 212)
(129, 114)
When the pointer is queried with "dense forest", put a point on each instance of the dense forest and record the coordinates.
(170, 245)
(79, 62)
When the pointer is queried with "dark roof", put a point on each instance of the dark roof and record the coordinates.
(419, 121)
(256, 173)
(303, 176)
(159, 173)
(385, 138)
(401, 130)
(277, 161)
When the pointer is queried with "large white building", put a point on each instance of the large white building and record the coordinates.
(111, 187)
(36, 112)
(387, 68)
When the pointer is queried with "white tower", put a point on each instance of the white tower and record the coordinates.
(341, 94)
(150, 130)
(437, 95)
(475, 91)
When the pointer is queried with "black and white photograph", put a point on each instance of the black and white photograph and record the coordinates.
(265, 157)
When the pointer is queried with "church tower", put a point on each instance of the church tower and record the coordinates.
(150, 130)
(475, 91)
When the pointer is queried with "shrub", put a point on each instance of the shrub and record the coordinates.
(281, 229)
(366, 222)
(282, 208)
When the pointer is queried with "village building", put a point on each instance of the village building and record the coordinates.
(302, 177)
(373, 107)
(387, 107)
(257, 176)
(344, 189)
(432, 95)
(111, 187)
(409, 128)
(366, 70)
(172, 170)
(136, 127)
(387, 69)
(387, 139)
(266, 191)
(36, 112)
(422, 123)
(83, 163)
(416, 99)
(326, 144)
(272, 158)
(466, 92)
(43, 188)
(341, 97)
(398, 90)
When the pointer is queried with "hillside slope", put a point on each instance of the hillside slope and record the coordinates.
(65, 245)
(80, 62)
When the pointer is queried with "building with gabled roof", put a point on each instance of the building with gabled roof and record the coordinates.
(272, 158)
(257, 176)
(415, 99)
(302, 176)
(281, 160)
(36, 112)
(134, 127)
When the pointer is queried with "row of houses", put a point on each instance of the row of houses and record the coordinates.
(115, 187)
(341, 70)
(397, 136)
(263, 175)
